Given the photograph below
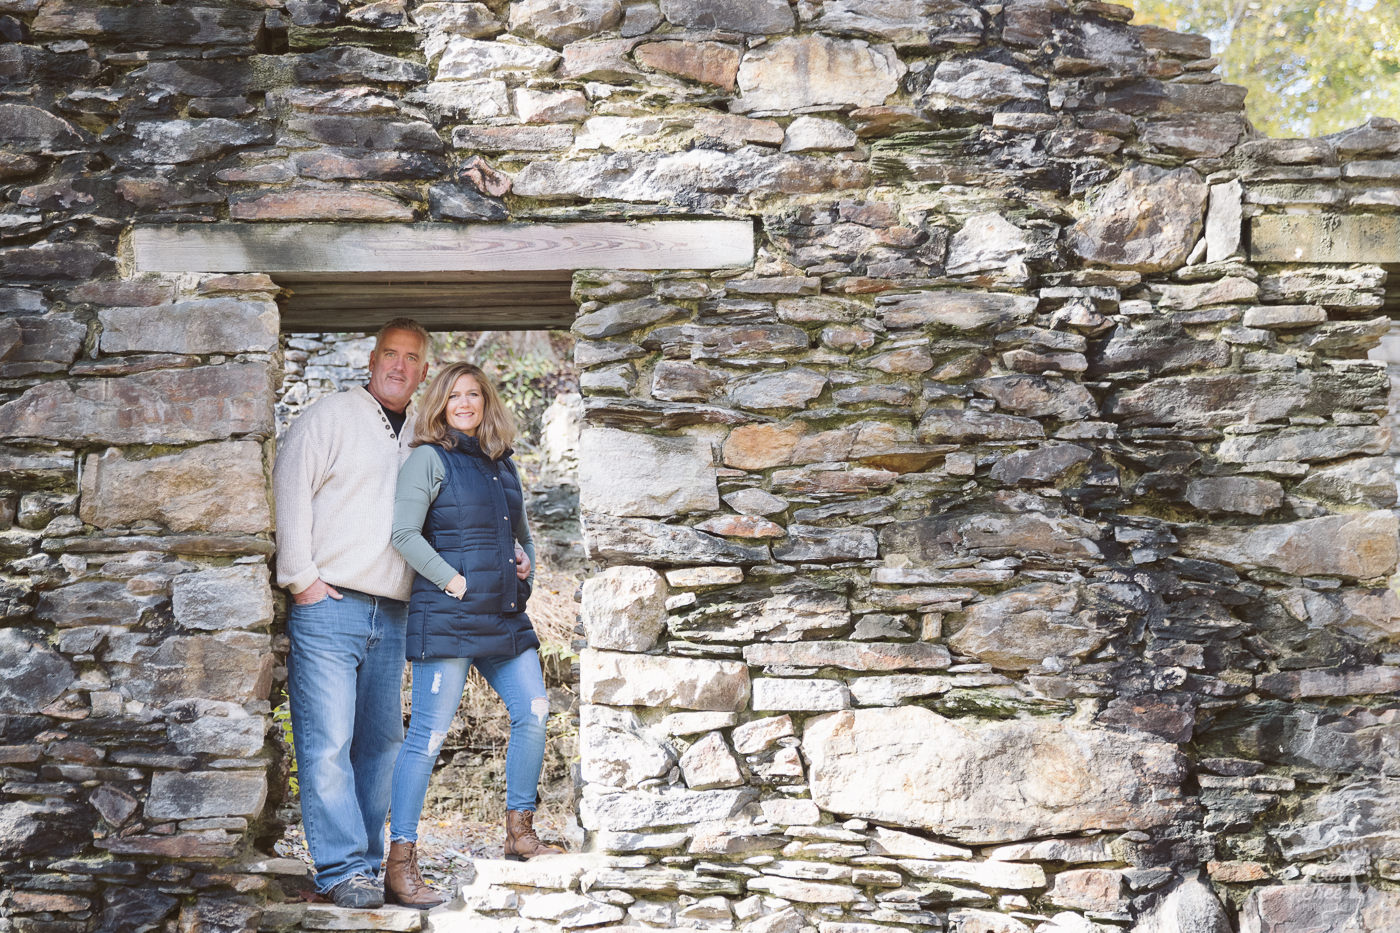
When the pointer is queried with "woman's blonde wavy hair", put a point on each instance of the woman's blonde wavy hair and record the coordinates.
(497, 431)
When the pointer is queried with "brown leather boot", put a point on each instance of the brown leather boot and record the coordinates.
(521, 842)
(402, 883)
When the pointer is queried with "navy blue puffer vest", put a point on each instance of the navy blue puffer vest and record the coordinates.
(470, 524)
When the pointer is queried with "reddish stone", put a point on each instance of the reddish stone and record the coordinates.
(28, 902)
(1097, 890)
(158, 194)
(77, 752)
(123, 294)
(188, 845)
(833, 482)
(706, 62)
(742, 526)
(250, 282)
(758, 446)
(480, 175)
(17, 165)
(319, 204)
(824, 446)
(1238, 872)
(19, 754)
(886, 121)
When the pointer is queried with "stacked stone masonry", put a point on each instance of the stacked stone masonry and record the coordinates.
(1006, 550)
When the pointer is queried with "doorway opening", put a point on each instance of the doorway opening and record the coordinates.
(465, 807)
(501, 294)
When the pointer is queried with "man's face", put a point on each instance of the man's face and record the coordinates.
(396, 368)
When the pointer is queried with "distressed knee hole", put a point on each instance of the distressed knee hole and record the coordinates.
(435, 740)
(539, 707)
(437, 683)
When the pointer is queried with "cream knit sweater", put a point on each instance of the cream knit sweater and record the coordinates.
(334, 485)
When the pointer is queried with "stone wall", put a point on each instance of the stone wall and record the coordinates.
(319, 364)
(1006, 550)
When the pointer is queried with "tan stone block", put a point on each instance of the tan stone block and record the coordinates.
(645, 680)
(624, 473)
(1020, 628)
(1325, 238)
(600, 59)
(1353, 546)
(624, 608)
(806, 892)
(542, 138)
(213, 487)
(709, 763)
(855, 656)
(1020, 779)
(550, 106)
(791, 74)
(697, 577)
(833, 482)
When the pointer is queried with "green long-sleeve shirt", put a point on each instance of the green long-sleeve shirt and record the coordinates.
(420, 481)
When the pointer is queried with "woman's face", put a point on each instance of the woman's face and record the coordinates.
(465, 404)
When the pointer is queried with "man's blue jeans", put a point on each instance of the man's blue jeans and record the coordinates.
(345, 678)
(437, 692)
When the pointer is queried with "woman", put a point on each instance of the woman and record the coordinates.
(458, 512)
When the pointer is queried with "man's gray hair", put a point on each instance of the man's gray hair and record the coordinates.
(405, 324)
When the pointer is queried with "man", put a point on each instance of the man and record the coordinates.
(334, 485)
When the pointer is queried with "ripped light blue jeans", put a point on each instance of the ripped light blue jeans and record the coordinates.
(437, 692)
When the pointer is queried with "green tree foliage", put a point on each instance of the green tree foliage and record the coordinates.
(1312, 66)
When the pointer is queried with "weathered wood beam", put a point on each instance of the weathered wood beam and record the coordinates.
(534, 315)
(440, 301)
(276, 248)
(1371, 238)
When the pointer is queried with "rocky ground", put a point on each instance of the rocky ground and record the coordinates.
(449, 842)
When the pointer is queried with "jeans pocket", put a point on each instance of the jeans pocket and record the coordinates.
(312, 605)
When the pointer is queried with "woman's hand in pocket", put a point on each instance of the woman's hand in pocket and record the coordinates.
(456, 587)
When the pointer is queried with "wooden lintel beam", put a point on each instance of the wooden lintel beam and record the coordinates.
(369, 248)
